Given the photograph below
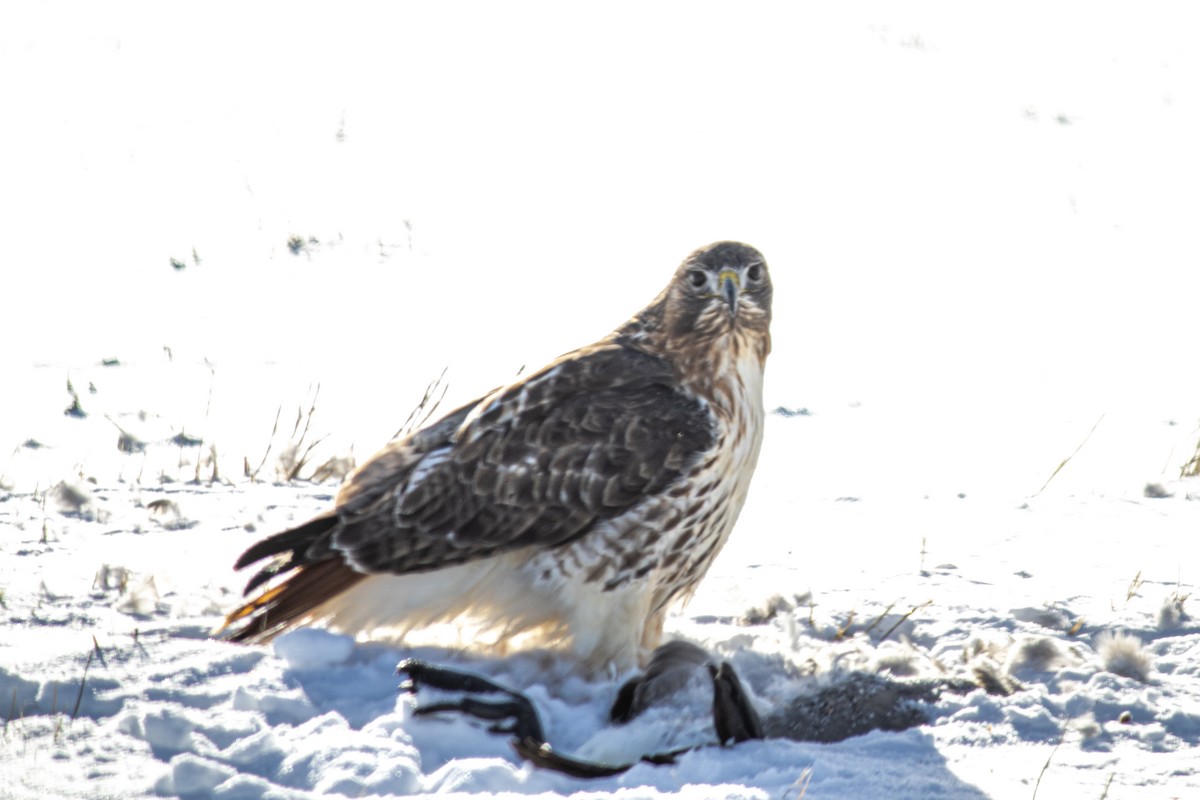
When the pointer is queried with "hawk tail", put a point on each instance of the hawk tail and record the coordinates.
(277, 608)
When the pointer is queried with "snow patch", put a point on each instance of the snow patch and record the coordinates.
(192, 776)
(313, 648)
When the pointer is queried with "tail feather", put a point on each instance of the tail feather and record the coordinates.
(295, 540)
(282, 606)
(266, 574)
(316, 576)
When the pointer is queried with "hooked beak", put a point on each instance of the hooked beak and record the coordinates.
(729, 285)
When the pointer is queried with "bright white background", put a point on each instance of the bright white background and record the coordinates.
(981, 221)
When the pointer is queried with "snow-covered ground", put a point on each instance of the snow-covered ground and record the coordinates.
(982, 234)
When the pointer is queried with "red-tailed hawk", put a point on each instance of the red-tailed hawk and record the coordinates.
(570, 507)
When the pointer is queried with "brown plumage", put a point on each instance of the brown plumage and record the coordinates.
(571, 506)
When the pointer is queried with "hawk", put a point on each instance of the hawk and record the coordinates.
(571, 507)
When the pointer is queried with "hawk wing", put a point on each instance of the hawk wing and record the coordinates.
(537, 463)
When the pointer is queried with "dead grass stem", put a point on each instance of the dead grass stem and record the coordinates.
(1074, 452)
(902, 619)
(1046, 766)
(298, 452)
(253, 475)
(1192, 468)
(422, 411)
(83, 682)
(212, 371)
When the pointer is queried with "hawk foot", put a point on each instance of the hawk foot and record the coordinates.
(733, 715)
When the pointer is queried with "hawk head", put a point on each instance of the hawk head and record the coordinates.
(717, 305)
(719, 290)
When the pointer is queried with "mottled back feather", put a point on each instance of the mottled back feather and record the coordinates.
(535, 463)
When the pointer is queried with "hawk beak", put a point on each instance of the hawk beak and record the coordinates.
(729, 285)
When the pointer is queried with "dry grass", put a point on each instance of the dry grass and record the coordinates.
(1172, 613)
(435, 392)
(1123, 654)
(1134, 585)
(294, 459)
(75, 409)
(1046, 766)
(848, 629)
(302, 442)
(902, 619)
(800, 787)
(207, 411)
(297, 453)
(83, 680)
(1192, 468)
(1066, 460)
(15, 718)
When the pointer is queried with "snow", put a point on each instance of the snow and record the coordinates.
(981, 231)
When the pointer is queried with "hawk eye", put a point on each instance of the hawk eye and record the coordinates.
(697, 277)
(755, 272)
